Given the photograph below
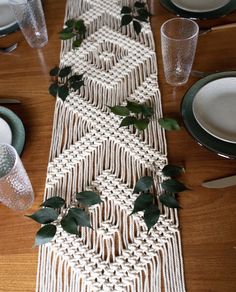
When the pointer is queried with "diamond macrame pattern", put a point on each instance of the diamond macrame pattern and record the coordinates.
(90, 151)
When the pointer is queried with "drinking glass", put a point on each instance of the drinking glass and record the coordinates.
(178, 45)
(30, 17)
(15, 188)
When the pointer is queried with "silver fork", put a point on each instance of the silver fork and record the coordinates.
(201, 74)
(9, 49)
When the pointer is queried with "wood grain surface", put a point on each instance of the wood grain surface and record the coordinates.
(207, 220)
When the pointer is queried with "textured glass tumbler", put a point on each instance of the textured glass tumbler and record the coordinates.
(30, 17)
(178, 45)
(15, 188)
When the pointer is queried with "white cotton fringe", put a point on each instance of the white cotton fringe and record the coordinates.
(90, 152)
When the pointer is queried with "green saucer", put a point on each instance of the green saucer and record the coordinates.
(223, 148)
(225, 10)
(17, 128)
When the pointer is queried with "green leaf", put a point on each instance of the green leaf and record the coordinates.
(143, 12)
(66, 30)
(70, 22)
(143, 184)
(54, 202)
(141, 18)
(66, 35)
(77, 43)
(142, 202)
(80, 216)
(77, 84)
(65, 71)
(80, 26)
(88, 198)
(169, 201)
(134, 107)
(169, 124)
(151, 216)
(142, 124)
(54, 71)
(53, 89)
(126, 19)
(137, 26)
(147, 111)
(120, 110)
(44, 216)
(75, 78)
(45, 234)
(69, 224)
(127, 121)
(126, 9)
(173, 186)
(172, 170)
(139, 4)
(63, 92)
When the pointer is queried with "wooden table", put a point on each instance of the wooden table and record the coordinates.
(207, 220)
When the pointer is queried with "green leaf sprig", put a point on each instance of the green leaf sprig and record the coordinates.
(141, 114)
(74, 29)
(136, 14)
(71, 221)
(169, 124)
(147, 200)
(60, 88)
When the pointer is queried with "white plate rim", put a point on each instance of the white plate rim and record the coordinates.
(198, 10)
(204, 125)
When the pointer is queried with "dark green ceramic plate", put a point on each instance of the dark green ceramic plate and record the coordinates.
(17, 128)
(225, 10)
(14, 27)
(221, 147)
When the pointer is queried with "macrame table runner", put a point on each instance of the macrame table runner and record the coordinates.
(90, 152)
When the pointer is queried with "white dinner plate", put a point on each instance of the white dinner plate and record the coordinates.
(200, 5)
(5, 132)
(214, 108)
(7, 18)
(16, 127)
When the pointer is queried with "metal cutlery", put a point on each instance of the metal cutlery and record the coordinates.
(200, 74)
(8, 100)
(215, 28)
(220, 182)
(9, 49)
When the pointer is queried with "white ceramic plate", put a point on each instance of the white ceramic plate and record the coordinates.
(7, 18)
(5, 132)
(200, 5)
(214, 108)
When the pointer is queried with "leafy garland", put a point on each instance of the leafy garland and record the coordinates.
(135, 15)
(60, 88)
(143, 114)
(147, 201)
(136, 114)
(71, 221)
(74, 29)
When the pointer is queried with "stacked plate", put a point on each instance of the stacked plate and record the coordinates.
(8, 22)
(200, 9)
(209, 112)
(11, 129)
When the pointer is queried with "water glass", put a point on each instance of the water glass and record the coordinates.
(178, 45)
(15, 188)
(30, 17)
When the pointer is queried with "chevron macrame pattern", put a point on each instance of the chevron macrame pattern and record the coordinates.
(90, 152)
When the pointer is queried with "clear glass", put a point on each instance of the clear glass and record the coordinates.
(178, 46)
(15, 188)
(30, 17)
